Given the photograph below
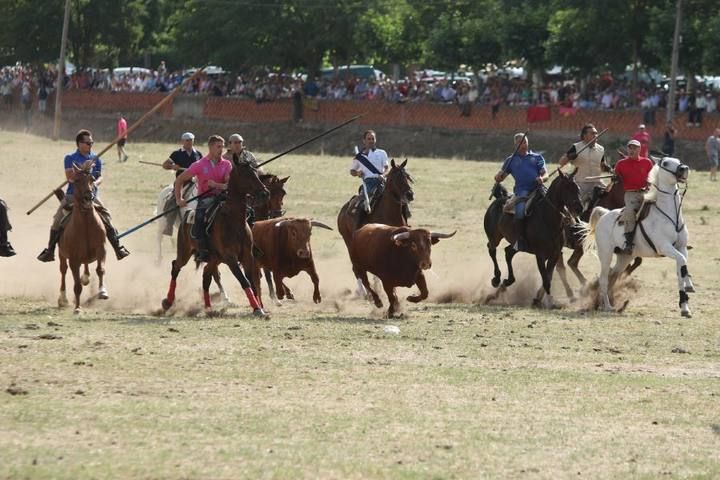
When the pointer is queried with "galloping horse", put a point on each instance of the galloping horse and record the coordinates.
(543, 230)
(83, 239)
(388, 210)
(230, 238)
(614, 198)
(662, 233)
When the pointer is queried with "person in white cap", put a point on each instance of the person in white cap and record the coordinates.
(236, 146)
(643, 136)
(179, 160)
(589, 163)
(633, 170)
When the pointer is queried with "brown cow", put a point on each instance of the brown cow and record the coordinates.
(285, 247)
(396, 255)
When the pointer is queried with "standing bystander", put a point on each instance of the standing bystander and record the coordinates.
(712, 148)
(122, 134)
(643, 136)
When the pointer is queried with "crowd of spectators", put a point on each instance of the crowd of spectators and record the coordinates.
(602, 92)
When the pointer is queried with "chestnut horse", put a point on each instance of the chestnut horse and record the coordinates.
(230, 237)
(83, 239)
(543, 230)
(388, 210)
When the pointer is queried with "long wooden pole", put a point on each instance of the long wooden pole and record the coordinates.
(132, 128)
(61, 74)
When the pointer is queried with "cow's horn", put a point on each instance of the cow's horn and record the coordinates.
(281, 223)
(442, 235)
(401, 236)
(315, 223)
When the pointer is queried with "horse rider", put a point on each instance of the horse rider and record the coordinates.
(212, 173)
(633, 170)
(179, 160)
(528, 170)
(82, 157)
(370, 164)
(6, 250)
(237, 147)
(589, 163)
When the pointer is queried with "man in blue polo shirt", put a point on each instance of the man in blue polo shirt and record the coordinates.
(82, 156)
(528, 170)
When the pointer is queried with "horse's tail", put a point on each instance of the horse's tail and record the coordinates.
(586, 231)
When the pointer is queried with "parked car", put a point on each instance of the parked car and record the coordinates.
(359, 71)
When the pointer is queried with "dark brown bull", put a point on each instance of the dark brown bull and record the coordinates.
(397, 256)
(286, 251)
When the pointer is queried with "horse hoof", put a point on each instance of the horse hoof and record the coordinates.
(690, 289)
(495, 282)
(103, 294)
(62, 302)
(259, 312)
(317, 299)
(686, 314)
(507, 282)
(77, 311)
(166, 304)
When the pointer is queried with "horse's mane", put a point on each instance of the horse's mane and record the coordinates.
(266, 176)
(651, 195)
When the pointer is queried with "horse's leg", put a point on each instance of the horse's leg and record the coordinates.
(549, 270)
(545, 290)
(574, 261)
(100, 270)
(617, 270)
(184, 251)
(684, 282)
(633, 266)
(77, 287)
(492, 250)
(235, 269)
(217, 279)
(208, 273)
(162, 221)
(563, 277)
(62, 299)
(509, 254)
(85, 278)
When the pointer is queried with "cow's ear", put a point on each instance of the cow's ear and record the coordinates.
(283, 180)
(434, 240)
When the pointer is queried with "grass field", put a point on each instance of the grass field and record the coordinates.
(465, 390)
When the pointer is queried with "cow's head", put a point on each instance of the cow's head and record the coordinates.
(296, 232)
(418, 243)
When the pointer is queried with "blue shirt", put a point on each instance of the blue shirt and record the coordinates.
(78, 159)
(524, 170)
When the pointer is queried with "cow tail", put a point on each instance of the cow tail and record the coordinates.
(587, 230)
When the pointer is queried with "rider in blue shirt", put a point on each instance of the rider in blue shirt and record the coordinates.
(81, 157)
(528, 170)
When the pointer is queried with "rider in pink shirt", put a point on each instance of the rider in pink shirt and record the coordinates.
(212, 173)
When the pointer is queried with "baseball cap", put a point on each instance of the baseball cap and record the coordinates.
(187, 136)
(235, 137)
(642, 125)
(633, 142)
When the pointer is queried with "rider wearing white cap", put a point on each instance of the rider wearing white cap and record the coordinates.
(179, 160)
(236, 146)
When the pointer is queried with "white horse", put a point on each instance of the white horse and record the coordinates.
(662, 233)
(167, 224)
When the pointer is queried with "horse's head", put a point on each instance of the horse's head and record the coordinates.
(398, 182)
(84, 185)
(244, 180)
(273, 206)
(668, 171)
(564, 192)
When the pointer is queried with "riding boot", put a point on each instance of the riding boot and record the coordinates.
(629, 240)
(48, 255)
(6, 250)
(520, 243)
(120, 251)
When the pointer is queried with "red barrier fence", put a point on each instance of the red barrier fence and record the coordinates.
(381, 113)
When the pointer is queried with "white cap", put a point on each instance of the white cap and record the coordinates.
(633, 142)
(642, 125)
(235, 137)
(187, 136)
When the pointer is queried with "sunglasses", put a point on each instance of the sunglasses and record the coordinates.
(89, 143)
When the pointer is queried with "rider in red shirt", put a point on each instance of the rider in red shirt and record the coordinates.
(633, 170)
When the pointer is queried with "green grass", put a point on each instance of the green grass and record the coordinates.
(465, 390)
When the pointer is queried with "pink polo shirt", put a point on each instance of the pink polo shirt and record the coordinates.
(122, 128)
(205, 170)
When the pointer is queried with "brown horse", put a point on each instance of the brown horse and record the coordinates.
(612, 199)
(83, 239)
(543, 230)
(230, 237)
(389, 207)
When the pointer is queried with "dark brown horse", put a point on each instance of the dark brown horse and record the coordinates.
(389, 208)
(543, 230)
(83, 239)
(612, 199)
(230, 237)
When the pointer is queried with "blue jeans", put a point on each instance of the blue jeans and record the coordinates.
(371, 184)
(520, 206)
(199, 231)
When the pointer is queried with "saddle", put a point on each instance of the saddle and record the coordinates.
(640, 216)
(210, 215)
(513, 200)
(357, 201)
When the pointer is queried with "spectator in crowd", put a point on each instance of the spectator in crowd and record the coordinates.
(42, 98)
(669, 140)
(712, 148)
(26, 100)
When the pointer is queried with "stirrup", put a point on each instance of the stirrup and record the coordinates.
(121, 252)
